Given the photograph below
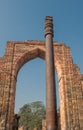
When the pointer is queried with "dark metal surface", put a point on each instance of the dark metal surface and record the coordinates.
(51, 116)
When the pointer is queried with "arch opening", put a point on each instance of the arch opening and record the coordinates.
(30, 83)
(27, 57)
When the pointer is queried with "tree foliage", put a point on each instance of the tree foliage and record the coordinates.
(31, 115)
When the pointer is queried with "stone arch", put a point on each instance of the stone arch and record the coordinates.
(32, 54)
(69, 78)
(27, 56)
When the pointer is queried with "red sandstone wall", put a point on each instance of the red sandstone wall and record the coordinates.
(69, 78)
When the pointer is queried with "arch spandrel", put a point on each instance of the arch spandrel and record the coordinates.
(23, 52)
(17, 54)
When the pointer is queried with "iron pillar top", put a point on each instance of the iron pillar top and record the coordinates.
(49, 26)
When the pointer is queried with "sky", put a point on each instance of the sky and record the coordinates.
(22, 20)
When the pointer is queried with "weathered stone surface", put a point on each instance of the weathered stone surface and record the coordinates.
(69, 78)
(43, 124)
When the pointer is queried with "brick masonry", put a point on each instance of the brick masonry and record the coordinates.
(69, 78)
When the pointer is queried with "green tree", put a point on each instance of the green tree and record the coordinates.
(31, 115)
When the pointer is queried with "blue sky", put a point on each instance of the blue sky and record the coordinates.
(24, 20)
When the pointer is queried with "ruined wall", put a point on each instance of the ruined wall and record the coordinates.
(69, 78)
